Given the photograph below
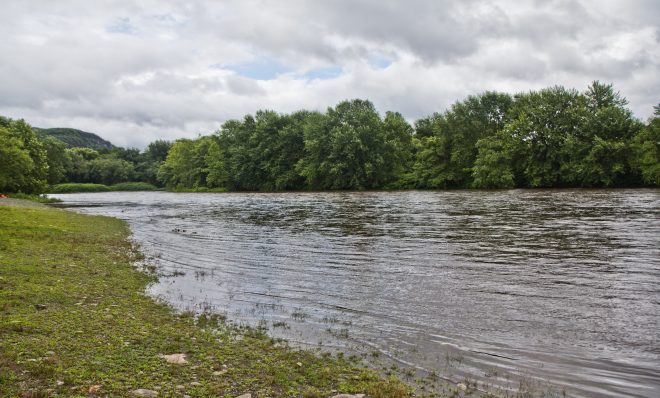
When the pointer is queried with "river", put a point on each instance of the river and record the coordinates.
(556, 287)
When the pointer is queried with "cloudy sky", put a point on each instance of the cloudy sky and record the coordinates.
(134, 72)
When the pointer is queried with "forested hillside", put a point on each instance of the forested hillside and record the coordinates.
(73, 138)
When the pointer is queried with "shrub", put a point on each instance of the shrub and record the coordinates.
(133, 186)
(77, 187)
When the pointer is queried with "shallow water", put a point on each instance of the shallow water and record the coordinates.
(560, 286)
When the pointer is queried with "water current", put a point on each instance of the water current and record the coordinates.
(550, 286)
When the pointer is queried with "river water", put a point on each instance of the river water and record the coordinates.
(500, 287)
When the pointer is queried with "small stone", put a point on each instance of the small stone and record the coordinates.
(179, 387)
(195, 384)
(246, 395)
(94, 389)
(143, 392)
(59, 383)
(40, 306)
(299, 364)
(461, 386)
(219, 372)
(50, 353)
(178, 359)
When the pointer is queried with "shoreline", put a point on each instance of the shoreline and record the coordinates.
(76, 321)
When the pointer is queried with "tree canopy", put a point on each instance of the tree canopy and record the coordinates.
(554, 137)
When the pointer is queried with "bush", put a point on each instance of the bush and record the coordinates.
(390, 388)
(77, 187)
(133, 186)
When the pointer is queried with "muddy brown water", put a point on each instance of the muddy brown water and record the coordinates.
(555, 286)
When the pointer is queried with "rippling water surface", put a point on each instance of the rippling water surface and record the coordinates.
(561, 286)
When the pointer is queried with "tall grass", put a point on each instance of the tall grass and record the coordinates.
(133, 186)
(78, 187)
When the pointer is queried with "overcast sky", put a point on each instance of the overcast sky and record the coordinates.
(133, 73)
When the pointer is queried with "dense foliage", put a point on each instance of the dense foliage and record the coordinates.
(23, 158)
(555, 137)
(32, 161)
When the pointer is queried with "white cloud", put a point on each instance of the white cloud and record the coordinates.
(134, 72)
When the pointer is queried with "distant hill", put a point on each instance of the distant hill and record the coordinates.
(76, 138)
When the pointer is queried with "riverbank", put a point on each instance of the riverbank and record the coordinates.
(75, 321)
(74, 187)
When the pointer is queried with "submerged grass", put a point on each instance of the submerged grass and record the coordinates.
(74, 321)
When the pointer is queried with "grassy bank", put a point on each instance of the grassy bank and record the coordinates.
(72, 187)
(74, 321)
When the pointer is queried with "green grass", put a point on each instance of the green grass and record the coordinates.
(71, 187)
(74, 321)
(133, 186)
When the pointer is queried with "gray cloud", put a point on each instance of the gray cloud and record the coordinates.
(133, 72)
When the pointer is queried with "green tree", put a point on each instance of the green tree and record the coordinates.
(185, 166)
(286, 152)
(646, 151)
(218, 176)
(239, 141)
(432, 163)
(399, 147)
(33, 179)
(347, 149)
(16, 162)
(468, 121)
(77, 167)
(542, 123)
(493, 167)
(598, 152)
(260, 153)
(157, 150)
(148, 163)
(448, 141)
(57, 158)
(109, 170)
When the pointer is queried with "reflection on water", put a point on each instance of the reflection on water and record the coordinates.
(558, 285)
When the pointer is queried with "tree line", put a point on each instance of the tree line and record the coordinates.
(554, 137)
(32, 163)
